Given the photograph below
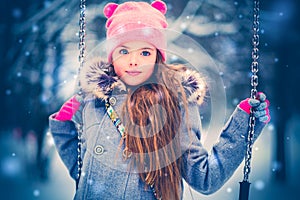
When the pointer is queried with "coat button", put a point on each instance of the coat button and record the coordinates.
(98, 149)
(112, 101)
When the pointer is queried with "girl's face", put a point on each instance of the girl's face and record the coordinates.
(134, 62)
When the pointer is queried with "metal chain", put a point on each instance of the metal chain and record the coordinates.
(81, 58)
(254, 84)
(82, 45)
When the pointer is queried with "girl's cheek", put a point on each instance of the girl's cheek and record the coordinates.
(118, 71)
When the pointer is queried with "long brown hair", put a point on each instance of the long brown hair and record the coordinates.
(152, 119)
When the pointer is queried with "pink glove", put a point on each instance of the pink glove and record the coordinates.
(68, 109)
(260, 107)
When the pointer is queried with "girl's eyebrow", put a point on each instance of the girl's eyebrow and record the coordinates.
(142, 48)
(123, 46)
(147, 48)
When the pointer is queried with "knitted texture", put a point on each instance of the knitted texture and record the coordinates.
(68, 109)
(260, 107)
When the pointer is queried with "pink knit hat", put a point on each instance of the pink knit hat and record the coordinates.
(136, 21)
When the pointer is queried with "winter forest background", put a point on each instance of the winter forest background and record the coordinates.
(39, 63)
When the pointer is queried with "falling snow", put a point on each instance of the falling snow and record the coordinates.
(43, 67)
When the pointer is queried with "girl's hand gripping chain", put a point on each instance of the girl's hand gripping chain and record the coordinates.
(260, 107)
(68, 109)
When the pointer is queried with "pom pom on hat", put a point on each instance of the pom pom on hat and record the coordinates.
(159, 5)
(109, 9)
(136, 21)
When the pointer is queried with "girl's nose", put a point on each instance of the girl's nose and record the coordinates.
(133, 64)
(133, 59)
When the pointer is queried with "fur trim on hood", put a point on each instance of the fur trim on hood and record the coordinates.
(95, 79)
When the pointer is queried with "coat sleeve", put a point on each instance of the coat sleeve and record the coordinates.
(65, 136)
(207, 172)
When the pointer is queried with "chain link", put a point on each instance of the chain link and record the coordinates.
(79, 148)
(254, 84)
(81, 59)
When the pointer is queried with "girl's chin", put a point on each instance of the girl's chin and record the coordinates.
(133, 81)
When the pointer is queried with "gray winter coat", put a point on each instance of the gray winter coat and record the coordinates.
(106, 175)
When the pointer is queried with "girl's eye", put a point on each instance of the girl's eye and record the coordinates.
(145, 53)
(123, 51)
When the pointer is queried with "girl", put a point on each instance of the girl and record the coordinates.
(139, 125)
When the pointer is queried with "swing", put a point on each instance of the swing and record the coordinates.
(81, 59)
(245, 184)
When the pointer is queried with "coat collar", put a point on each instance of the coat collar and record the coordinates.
(95, 79)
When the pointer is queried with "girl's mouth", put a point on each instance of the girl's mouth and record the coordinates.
(133, 73)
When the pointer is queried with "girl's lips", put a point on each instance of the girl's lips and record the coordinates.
(133, 73)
